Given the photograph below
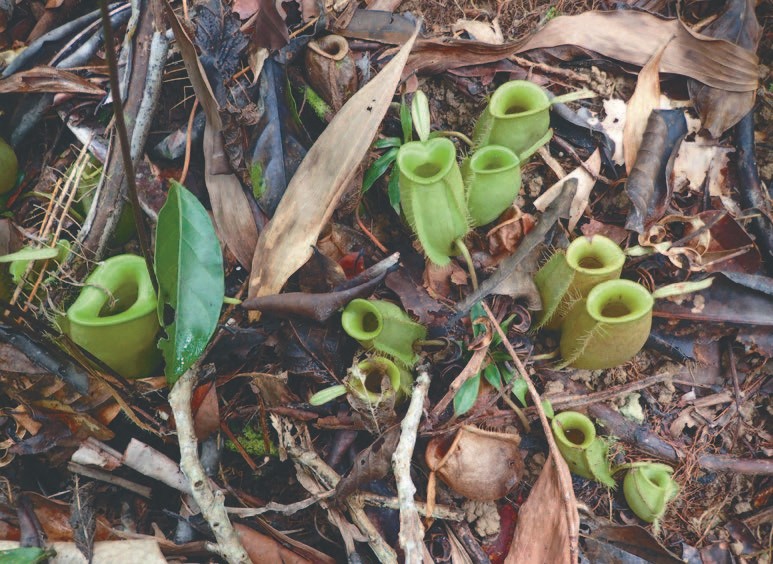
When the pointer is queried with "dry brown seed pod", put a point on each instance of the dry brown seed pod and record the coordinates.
(478, 464)
(330, 70)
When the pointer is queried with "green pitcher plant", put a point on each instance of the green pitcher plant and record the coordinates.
(384, 327)
(518, 117)
(114, 318)
(372, 381)
(584, 452)
(609, 327)
(432, 197)
(648, 488)
(569, 276)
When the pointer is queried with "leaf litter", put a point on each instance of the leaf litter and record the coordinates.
(662, 162)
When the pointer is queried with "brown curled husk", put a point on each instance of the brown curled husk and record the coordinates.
(478, 464)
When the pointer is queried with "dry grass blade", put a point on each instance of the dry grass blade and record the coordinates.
(230, 206)
(645, 98)
(311, 197)
(633, 37)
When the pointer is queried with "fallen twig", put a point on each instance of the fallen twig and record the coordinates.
(210, 502)
(411, 530)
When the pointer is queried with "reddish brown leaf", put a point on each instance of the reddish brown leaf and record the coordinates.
(48, 79)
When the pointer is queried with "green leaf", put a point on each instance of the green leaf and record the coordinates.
(378, 169)
(466, 396)
(387, 142)
(519, 390)
(327, 394)
(28, 253)
(189, 267)
(476, 312)
(420, 114)
(393, 189)
(492, 374)
(553, 281)
(406, 122)
(26, 555)
(548, 408)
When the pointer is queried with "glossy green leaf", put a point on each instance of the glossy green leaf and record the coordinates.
(327, 394)
(378, 169)
(189, 268)
(406, 122)
(519, 390)
(387, 142)
(466, 396)
(492, 375)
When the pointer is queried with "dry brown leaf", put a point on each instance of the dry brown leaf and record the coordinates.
(719, 110)
(645, 98)
(262, 548)
(48, 79)
(631, 36)
(230, 205)
(542, 533)
(311, 197)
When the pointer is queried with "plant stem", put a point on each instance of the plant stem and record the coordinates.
(458, 134)
(468, 259)
(123, 137)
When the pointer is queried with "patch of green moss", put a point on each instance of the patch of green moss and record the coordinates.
(251, 440)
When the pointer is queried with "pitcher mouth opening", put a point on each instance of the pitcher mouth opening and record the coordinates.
(595, 255)
(492, 159)
(362, 320)
(426, 164)
(518, 98)
(619, 301)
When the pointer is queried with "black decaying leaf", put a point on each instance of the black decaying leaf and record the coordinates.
(647, 185)
(277, 150)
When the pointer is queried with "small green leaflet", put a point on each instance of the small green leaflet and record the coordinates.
(476, 312)
(519, 390)
(378, 169)
(29, 253)
(26, 555)
(189, 267)
(406, 123)
(393, 189)
(493, 376)
(466, 395)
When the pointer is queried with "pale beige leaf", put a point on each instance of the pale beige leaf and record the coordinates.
(481, 31)
(542, 533)
(230, 205)
(585, 183)
(311, 197)
(632, 36)
(645, 98)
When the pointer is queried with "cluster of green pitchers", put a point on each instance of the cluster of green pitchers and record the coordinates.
(441, 201)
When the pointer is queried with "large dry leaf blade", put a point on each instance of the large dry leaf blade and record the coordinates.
(542, 533)
(631, 36)
(720, 110)
(286, 243)
(645, 98)
(230, 206)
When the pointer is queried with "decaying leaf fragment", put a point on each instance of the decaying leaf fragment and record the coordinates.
(631, 36)
(646, 185)
(720, 110)
(286, 243)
